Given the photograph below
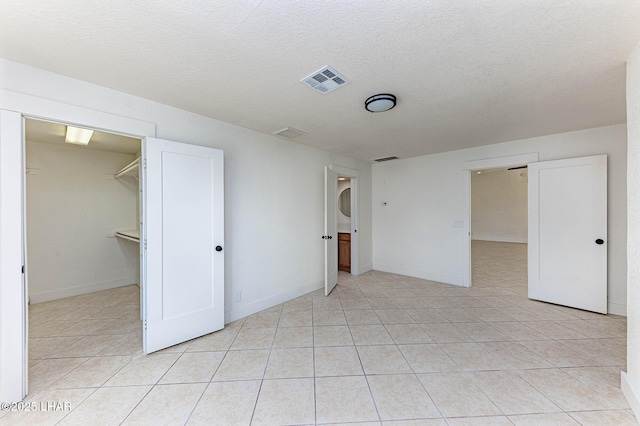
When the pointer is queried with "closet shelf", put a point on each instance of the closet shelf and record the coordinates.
(133, 235)
(131, 169)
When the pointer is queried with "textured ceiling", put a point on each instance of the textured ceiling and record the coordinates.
(466, 72)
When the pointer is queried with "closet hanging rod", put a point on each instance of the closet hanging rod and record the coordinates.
(133, 235)
(128, 169)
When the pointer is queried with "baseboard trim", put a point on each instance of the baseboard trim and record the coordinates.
(617, 309)
(76, 291)
(417, 273)
(266, 303)
(633, 397)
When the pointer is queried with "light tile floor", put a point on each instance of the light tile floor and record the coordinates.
(381, 349)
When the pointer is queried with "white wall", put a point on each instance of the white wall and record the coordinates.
(343, 223)
(73, 202)
(419, 232)
(274, 189)
(631, 381)
(499, 205)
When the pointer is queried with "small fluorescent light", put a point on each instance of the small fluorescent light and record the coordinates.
(78, 136)
(478, 172)
(342, 178)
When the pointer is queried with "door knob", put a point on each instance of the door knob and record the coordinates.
(330, 237)
(218, 248)
(599, 241)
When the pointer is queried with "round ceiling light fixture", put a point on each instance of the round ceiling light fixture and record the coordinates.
(380, 103)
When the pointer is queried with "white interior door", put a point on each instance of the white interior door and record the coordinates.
(568, 232)
(330, 234)
(13, 291)
(182, 237)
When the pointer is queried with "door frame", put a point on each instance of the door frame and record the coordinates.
(467, 168)
(20, 106)
(354, 175)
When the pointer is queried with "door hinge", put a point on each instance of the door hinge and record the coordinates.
(145, 324)
(23, 269)
(145, 243)
(144, 163)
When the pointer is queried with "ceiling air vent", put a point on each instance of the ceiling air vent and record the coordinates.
(289, 132)
(325, 80)
(379, 160)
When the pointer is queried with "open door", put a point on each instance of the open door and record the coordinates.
(568, 232)
(182, 240)
(13, 291)
(330, 236)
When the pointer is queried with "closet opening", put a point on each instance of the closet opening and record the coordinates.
(82, 249)
(499, 227)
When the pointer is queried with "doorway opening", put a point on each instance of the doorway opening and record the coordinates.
(82, 254)
(340, 225)
(343, 223)
(14, 348)
(499, 222)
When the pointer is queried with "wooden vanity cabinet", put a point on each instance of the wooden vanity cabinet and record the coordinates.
(344, 252)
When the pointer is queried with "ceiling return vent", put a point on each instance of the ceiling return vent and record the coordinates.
(325, 80)
(380, 160)
(289, 132)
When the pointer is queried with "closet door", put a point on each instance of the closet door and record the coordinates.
(182, 242)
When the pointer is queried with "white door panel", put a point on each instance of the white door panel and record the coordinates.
(330, 230)
(567, 215)
(182, 225)
(13, 291)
